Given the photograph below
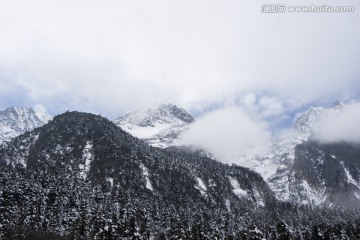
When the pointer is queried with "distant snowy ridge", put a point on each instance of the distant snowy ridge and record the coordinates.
(276, 166)
(281, 153)
(17, 120)
(286, 182)
(160, 125)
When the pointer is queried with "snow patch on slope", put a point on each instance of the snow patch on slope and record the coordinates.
(288, 188)
(237, 190)
(227, 204)
(146, 174)
(201, 186)
(87, 157)
(259, 198)
(357, 195)
(350, 179)
(110, 180)
(311, 196)
(145, 132)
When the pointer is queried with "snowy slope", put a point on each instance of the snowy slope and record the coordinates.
(160, 125)
(83, 177)
(17, 120)
(287, 183)
(277, 165)
(281, 153)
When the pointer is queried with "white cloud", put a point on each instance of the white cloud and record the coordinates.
(113, 56)
(271, 106)
(229, 134)
(340, 125)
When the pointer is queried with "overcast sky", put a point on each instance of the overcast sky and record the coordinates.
(340, 125)
(110, 57)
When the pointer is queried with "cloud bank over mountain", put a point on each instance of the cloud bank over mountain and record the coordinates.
(115, 56)
(228, 133)
(340, 126)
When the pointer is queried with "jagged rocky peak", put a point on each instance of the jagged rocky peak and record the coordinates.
(331, 170)
(305, 122)
(319, 173)
(338, 105)
(159, 125)
(17, 120)
(274, 163)
(160, 114)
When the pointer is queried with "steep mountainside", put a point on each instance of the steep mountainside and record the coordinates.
(82, 177)
(290, 166)
(79, 172)
(331, 170)
(287, 183)
(160, 126)
(282, 152)
(277, 166)
(16, 120)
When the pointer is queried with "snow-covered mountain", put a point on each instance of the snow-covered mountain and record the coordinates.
(288, 183)
(160, 125)
(17, 120)
(280, 165)
(281, 153)
(81, 177)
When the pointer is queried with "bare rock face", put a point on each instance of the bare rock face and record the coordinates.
(334, 169)
(300, 177)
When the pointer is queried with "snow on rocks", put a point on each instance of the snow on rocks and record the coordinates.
(201, 186)
(17, 120)
(110, 180)
(237, 190)
(87, 157)
(146, 174)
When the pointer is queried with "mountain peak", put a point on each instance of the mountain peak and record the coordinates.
(17, 120)
(305, 121)
(338, 105)
(161, 113)
(178, 112)
(160, 125)
(82, 170)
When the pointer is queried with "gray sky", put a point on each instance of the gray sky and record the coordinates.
(110, 57)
